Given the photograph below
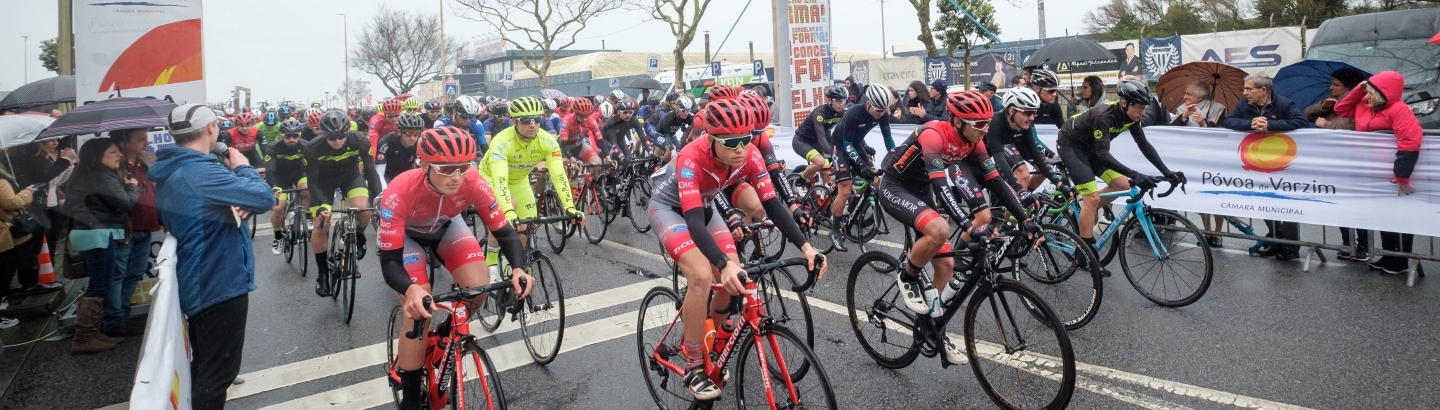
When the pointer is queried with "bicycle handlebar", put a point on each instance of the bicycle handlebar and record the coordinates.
(1177, 181)
(457, 294)
(541, 220)
(737, 302)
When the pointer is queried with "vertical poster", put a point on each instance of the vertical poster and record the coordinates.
(860, 72)
(994, 68)
(805, 49)
(1161, 55)
(1255, 51)
(139, 49)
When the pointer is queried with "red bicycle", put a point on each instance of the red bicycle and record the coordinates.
(458, 373)
(776, 380)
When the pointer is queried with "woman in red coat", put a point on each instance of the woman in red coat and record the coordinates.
(1380, 108)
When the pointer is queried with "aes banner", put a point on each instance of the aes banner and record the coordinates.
(139, 49)
(805, 50)
(1314, 176)
(1255, 51)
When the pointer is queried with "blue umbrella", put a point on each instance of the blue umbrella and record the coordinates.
(1308, 81)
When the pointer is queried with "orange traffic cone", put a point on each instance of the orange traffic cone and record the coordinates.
(47, 269)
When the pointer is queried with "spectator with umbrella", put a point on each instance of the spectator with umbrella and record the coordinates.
(1198, 110)
(47, 166)
(100, 200)
(1263, 111)
(13, 249)
(1379, 107)
(17, 133)
(1323, 115)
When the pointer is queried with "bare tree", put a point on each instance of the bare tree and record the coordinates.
(926, 37)
(683, 16)
(547, 27)
(403, 48)
(359, 91)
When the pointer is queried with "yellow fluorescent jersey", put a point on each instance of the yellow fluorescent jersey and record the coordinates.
(510, 160)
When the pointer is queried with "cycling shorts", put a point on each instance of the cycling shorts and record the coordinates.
(353, 189)
(285, 182)
(734, 192)
(906, 206)
(1013, 157)
(844, 167)
(674, 234)
(453, 244)
(582, 151)
(808, 151)
(1083, 167)
(522, 196)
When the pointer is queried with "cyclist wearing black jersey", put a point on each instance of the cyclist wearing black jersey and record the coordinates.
(678, 119)
(341, 161)
(615, 134)
(1012, 143)
(1047, 85)
(286, 161)
(812, 139)
(398, 150)
(1085, 148)
(852, 155)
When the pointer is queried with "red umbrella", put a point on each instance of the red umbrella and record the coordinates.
(1435, 40)
(1227, 83)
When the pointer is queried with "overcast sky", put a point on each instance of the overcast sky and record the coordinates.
(285, 49)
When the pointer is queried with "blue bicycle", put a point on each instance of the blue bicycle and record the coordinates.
(1165, 258)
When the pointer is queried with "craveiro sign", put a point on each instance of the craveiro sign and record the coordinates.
(805, 50)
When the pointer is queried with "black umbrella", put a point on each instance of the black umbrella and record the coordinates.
(1068, 50)
(53, 90)
(110, 115)
(644, 83)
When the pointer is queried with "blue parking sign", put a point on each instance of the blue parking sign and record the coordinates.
(715, 69)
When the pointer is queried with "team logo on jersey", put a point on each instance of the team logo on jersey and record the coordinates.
(687, 173)
(386, 213)
(411, 259)
(1099, 134)
(680, 228)
(497, 156)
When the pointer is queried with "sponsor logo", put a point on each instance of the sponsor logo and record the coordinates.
(474, 255)
(682, 246)
(1267, 152)
(386, 213)
(411, 259)
(680, 228)
(392, 201)
(1099, 135)
(386, 245)
(493, 205)
(687, 173)
(1246, 57)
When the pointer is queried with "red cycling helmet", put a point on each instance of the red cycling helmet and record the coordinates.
(728, 117)
(758, 108)
(243, 119)
(969, 105)
(723, 92)
(392, 107)
(446, 145)
(313, 119)
(582, 106)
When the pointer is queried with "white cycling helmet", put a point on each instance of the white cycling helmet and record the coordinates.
(685, 103)
(549, 103)
(467, 105)
(1022, 98)
(618, 94)
(878, 96)
(607, 110)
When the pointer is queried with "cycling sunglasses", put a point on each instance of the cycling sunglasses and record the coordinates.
(527, 120)
(292, 136)
(1028, 113)
(1052, 90)
(335, 137)
(978, 124)
(450, 170)
(410, 133)
(466, 117)
(626, 112)
(735, 142)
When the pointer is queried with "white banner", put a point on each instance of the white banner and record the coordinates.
(805, 50)
(162, 378)
(1255, 51)
(897, 72)
(1126, 60)
(139, 49)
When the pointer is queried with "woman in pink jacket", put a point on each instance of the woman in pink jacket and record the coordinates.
(1379, 108)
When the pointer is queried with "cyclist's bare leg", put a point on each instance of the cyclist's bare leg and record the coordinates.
(1022, 174)
(410, 355)
(934, 235)
(748, 201)
(277, 219)
(320, 236)
(1091, 203)
(363, 218)
(843, 190)
(471, 275)
(699, 274)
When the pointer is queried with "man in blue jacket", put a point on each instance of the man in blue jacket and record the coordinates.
(201, 202)
(1263, 111)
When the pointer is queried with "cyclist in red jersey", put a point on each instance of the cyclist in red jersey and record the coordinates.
(578, 136)
(946, 158)
(695, 237)
(743, 195)
(246, 138)
(383, 124)
(420, 209)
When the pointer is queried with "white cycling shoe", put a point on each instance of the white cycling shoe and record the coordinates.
(953, 353)
(913, 293)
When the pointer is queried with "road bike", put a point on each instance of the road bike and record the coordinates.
(784, 372)
(296, 228)
(1017, 347)
(548, 202)
(457, 371)
(593, 200)
(344, 269)
(864, 217)
(783, 305)
(542, 314)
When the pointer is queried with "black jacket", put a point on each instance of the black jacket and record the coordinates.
(100, 201)
(1281, 113)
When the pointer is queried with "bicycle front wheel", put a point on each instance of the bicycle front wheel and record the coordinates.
(819, 230)
(345, 279)
(784, 306)
(593, 204)
(639, 204)
(1023, 360)
(475, 384)
(882, 323)
(542, 314)
(782, 354)
(657, 338)
(555, 232)
(290, 241)
(1068, 275)
(1177, 270)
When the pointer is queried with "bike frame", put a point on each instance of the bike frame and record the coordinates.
(1135, 205)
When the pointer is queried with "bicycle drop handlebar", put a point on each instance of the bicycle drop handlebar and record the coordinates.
(1178, 181)
(458, 294)
(737, 301)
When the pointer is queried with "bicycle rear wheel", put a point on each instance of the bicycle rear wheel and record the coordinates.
(657, 339)
(864, 222)
(1068, 275)
(639, 204)
(1180, 274)
(554, 232)
(593, 204)
(783, 353)
(542, 314)
(289, 221)
(882, 323)
(346, 282)
(1022, 360)
(475, 384)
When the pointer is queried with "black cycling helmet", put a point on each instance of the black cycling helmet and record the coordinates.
(1133, 92)
(626, 105)
(1044, 79)
(498, 109)
(654, 99)
(286, 111)
(334, 122)
(672, 96)
(292, 126)
(432, 105)
(271, 119)
(837, 92)
(409, 122)
(365, 113)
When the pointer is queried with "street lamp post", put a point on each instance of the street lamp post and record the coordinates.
(326, 101)
(346, 20)
(25, 55)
